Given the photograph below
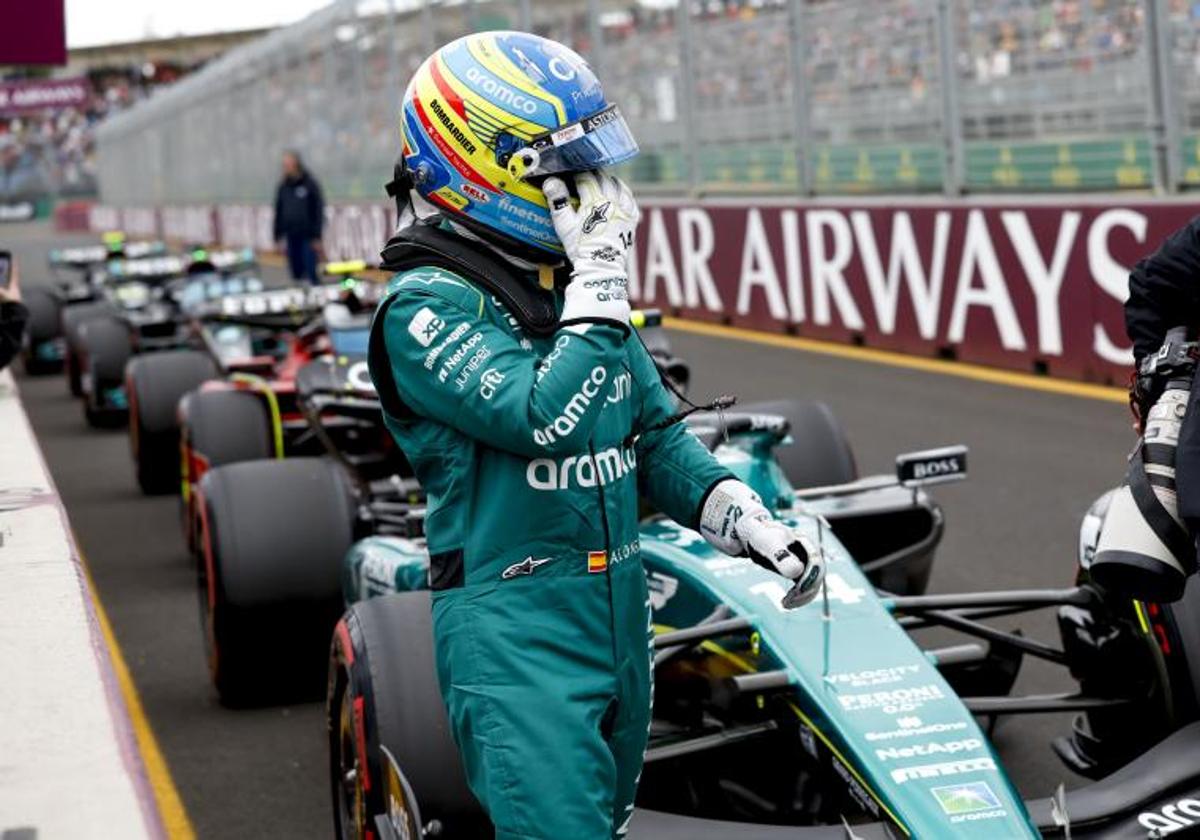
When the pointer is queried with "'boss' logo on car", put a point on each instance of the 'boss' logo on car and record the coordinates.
(929, 469)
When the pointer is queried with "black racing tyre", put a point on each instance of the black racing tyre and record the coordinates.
(383, 692)
(216, 428)
(155, 383)
(44, 327)
(105, 345)
(820, 455)
(73, 317)
(273, 535)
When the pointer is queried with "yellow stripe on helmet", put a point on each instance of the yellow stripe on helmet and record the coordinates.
(488, 53)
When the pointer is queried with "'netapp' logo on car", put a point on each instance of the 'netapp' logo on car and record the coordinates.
(933, 748)
(604, 467)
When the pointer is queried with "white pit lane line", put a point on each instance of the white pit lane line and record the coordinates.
(69, 761)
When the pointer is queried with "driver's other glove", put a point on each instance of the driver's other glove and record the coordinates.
(597, 238)
(735, 521)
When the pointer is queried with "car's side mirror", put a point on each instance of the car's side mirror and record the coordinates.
(932, 466)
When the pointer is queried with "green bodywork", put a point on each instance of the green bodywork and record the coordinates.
(906, 747)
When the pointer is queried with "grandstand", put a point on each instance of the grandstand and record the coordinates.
(813, 96)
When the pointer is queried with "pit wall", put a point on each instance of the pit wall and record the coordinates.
(1031, 285)
(70, 764)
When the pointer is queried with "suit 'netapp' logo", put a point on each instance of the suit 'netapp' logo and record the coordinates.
(451, 126)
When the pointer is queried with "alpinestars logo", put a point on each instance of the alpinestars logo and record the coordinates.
(525, 567)
(598, 215)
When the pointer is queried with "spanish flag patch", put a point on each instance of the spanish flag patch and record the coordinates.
(597, 562)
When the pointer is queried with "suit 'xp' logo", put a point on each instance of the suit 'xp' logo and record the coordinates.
(599, 214)
(425, 326)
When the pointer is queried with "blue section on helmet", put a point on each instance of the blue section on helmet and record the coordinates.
(557, 70)
(490, 86)
(522, 220)
(425, 161)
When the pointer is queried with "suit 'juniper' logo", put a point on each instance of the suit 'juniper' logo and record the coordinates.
(599, 214)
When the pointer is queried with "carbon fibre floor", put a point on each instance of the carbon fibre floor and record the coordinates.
(1037, 461)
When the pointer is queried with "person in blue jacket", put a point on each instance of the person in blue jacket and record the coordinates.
(299, 218)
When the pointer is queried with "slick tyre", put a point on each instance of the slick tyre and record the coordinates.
(73, 317)
(155, 383)
(383, 692)
(44, 328)
(820, 455)
(216, 428)
(105, 348)
(272, 535)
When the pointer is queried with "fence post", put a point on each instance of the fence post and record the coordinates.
(596, 36)
(427, 29)
(952, 139)
(1165, 119)
(799, 71)
(687, 100)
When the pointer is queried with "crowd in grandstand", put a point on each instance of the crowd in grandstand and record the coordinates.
(53, 151)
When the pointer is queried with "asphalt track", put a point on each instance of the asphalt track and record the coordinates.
(1037, 461)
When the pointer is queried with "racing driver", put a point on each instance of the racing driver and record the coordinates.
(534, 416)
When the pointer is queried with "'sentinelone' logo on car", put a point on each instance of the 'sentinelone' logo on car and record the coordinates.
(965, 798)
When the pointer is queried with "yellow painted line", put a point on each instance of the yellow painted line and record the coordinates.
(963, 370)
(175, 819)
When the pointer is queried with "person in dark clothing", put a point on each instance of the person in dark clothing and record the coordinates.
(1164, 292)
(299, 218)
(13, 318)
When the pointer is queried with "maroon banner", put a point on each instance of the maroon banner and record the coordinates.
(32, 32)
(1026, 286)
(43, 94)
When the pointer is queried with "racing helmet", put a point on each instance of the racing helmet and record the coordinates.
(488, 116)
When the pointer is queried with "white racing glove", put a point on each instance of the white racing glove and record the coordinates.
(597, 238)
(735, 521)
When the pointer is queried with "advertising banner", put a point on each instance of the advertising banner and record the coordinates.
(1031, 286)
(39, 94)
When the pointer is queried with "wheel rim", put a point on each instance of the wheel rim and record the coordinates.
(351, 800)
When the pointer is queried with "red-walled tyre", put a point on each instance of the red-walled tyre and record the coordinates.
(155, 383)
(272, 536)
(217, 427)
(383, 692)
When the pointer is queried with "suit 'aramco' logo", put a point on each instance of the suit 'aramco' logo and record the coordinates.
(965, 798)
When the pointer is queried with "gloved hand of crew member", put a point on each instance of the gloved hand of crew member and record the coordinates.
(597, 238)
(735, 521)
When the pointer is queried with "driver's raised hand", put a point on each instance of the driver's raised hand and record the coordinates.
(597, 237)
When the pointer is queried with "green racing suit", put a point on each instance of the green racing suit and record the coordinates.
(533, 452)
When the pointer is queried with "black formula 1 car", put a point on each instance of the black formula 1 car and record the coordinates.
(140, 307)
(75, 277)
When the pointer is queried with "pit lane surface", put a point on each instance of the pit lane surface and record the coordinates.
(1037, 461)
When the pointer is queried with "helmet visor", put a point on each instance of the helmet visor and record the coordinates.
(600, 140)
